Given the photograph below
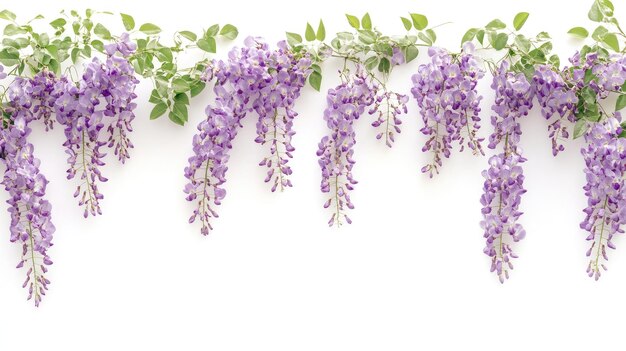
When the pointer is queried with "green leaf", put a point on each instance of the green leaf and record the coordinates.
(197, 88)
(537, 55)
(480, 36)
(599, 33)
(174, 117)
(182, 98)
(407, 23)
(425, 38)
(294, 38)
(58, 23)
(579, 32)
(212, 31)
(522, 43)
(74, 55)
(150, 29)
(315, 79)
(128, 20)
(7, 15)
(158, 110)
(500, 41)
(384, 65)
(102, 32)
(9, 56)
(371, 62)
(419, 21)
(354, 22)
(191, 36)
(469, 35)
(207, 44)
(367, 37)
(180, 109)
(431, 34)
(180, 85)
(620, 103)
(366, 21)
(580, 128)
(309, 33)
(611, 40)
(98, 45)
(54, 66)
(410, 53)
(12, 29)
(519, 20)
(555, 61)
(595, 14)
(321, 31)
(495, 24)
(229, 32)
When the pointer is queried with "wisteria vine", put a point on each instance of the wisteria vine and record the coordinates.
(83, 78)
(80, 78)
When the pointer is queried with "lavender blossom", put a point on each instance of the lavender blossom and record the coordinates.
(238, 82)
(346, 103)
(503, 189)
(504, 178)
(118, 89)
(275, 106)
(555, 98)
(76, 108)
(605, 171)
(446, 93)
(30, 213)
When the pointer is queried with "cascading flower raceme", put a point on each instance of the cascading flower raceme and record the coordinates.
(555, 98)
(345, 104)
(504, 178)
(388, 105)
(275, 107)
(239, 82)
(605, 161)
(30, 213)
(103, 97)
(119, 94)
(445, 90)
(503, 188)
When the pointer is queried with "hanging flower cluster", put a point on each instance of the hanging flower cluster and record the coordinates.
(504, 179)
(103, 99)
(346, 103)
(95, 109)
(254, 78)
(445, 90)
(605, 161)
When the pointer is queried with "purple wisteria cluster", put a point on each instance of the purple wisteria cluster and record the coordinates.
(610, 73)
(103, 98)
(345, 104)
(388, 105)
(556, 99)
(513, 100)
(605, 161)
(503, 188)
(445, 90)
(31, 223)
(504, 178)
(254, 78)
(287, 74)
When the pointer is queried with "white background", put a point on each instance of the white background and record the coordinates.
(409, 273)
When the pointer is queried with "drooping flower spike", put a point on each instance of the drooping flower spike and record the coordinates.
(345, 104)
(504, 178)
(255, 78)
(446, 92)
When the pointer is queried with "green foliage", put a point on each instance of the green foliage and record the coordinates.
(519, 20)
